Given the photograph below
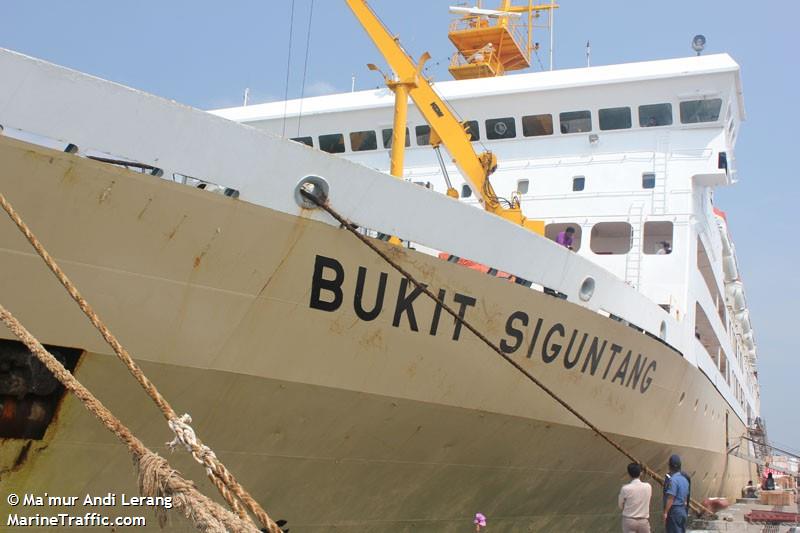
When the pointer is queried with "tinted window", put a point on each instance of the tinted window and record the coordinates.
(501, 128)
(535, 125)
(611, 238)
(332, 143)
(522, 186)
(700, 110)
(575, 121)
(552, 232)
(466, 191)
(615, 118)
(423, 135)
(387, 138)
(655, 115)
(657, 238)
(363, 140)
(648, 181)
(472, 130)
(304, 140)
(578, 183)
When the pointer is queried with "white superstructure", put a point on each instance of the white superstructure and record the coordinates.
(627, 155)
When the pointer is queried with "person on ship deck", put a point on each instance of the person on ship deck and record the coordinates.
(565, 238)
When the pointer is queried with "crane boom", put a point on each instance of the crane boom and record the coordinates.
(476, 168)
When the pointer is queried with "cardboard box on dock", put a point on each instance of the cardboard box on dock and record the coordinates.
(777, 497)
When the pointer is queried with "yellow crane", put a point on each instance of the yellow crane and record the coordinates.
(408, 81)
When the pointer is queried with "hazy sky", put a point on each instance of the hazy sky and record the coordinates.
(205, 53)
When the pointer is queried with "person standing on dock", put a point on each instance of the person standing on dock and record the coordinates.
(676, 497)
(634, 501)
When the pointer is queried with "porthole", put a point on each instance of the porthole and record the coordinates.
(587, 289)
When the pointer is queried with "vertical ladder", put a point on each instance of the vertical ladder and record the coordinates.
(758, 432)
(633, 261)
(660, 157)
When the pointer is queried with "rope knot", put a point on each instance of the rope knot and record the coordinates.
(184, 434)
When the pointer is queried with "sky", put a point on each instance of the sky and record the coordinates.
(206, 53)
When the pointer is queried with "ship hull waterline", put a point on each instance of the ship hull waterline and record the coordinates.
(333, 410)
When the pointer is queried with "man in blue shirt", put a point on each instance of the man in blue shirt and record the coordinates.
(676, 497)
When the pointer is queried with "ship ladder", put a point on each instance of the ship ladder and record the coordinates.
(633, 259)
(227, 485)
(660, 158)
(318, 197)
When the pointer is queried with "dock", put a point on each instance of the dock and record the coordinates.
(750, 515)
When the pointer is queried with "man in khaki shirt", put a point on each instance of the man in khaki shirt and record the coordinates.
(634, 501)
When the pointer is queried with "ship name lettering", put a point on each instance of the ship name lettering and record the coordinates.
(328, 294)
(600, 357)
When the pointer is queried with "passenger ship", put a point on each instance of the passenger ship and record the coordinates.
(336, 393)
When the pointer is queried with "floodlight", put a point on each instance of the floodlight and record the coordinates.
(698, 43)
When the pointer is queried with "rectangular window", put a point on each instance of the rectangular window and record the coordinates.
(575, 121)
(648, 180)
(361, 141)
(615, 118)
(567, 234)
(332, 143)
(501, 128)
(423, 134)
(472, 130)
(695, 111)
(578, 183)
(657, 238)
(655, 115)
(522, 186)
(536, 125)
(304, 140)
(609, 238)
(387, 138)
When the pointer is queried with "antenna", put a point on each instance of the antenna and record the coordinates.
(699, 43)
(588, 54)
(246, 95)
(551, 21)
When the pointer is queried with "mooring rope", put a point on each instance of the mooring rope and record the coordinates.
(218, 474)
(325, 205)
(156, 477)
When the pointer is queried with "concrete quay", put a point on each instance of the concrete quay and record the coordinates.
(733, 520)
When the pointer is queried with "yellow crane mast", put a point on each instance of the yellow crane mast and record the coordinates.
(408, 81)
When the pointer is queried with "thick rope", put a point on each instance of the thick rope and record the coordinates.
(325, 205)
(155, 476)
(218, 474)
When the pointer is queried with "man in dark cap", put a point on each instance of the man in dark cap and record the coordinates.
(676, 497)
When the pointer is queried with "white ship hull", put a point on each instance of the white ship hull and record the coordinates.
(332, 421)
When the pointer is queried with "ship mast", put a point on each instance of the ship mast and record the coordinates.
(492, 42)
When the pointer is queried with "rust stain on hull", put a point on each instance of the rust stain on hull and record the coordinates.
(146, 206)
(106, 193)
(172, 233)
